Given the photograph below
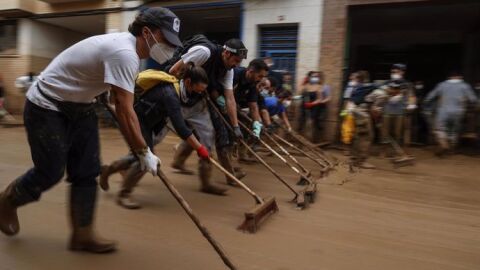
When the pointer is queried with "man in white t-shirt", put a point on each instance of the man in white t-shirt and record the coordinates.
(219, 62)
(62, 127)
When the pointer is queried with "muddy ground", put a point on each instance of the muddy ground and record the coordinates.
(423, 217)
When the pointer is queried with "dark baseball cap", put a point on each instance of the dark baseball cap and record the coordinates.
(399, 66)
(166, 21)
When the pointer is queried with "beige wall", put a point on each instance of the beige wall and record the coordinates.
(37, 6)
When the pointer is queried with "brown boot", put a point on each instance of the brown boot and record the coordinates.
(205, 173)
(10, 200)
(182, 152)
(116, 166)
(130, 180)
(226, 162)
(82, 208)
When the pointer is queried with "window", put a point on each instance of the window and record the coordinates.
(280, 43)
(8, 37)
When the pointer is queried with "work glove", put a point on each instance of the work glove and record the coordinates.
(289, 129)
(411, 107)
(202, 153)
(221, 102)
(308, 105)
(257, 128)
(238, 132)
(148, 161)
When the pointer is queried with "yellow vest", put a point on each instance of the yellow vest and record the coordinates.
(149, 78)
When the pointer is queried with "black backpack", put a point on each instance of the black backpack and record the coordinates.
(359, 94)
(188, 43)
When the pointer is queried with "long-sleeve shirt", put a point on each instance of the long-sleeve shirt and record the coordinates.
(157, 104)
(452, 96)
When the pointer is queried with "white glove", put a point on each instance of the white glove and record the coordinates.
(148, 161)
(411, 107)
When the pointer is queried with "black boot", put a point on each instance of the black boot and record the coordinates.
(10, 199)
(82, 208)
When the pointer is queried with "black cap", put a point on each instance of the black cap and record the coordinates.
(166, 21)
(399, 66)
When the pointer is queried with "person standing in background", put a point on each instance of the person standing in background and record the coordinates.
(316, 96)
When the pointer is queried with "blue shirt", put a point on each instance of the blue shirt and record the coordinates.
(273, 106)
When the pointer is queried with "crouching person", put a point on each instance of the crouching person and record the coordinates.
(160, 101)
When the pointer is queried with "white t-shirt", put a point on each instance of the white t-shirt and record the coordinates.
(87, 69)
(199, 55)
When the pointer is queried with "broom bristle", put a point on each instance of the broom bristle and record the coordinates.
(258, 214)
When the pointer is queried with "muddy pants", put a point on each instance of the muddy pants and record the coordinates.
(392, 126)
(363, 136)
(58, 143)
(448, 126)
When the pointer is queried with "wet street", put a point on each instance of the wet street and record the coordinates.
(425, 217)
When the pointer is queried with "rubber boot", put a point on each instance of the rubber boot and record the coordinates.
(243, 156)
(10, 199)
(205, 174)
(239, 173)
(116, 166)
(182, 152)
(131, 179)
(82, 208)
(444, 147)
(226, 162)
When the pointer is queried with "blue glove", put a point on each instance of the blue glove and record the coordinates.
(221, 101)
(257, 128)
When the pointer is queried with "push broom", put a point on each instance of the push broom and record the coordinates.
(290, 156)
(299, 198)
(311, 189)
(263, 208)
(183, 203)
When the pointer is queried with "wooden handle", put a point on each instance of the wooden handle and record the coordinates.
(195, 219)
(251, 150)
(257, 198)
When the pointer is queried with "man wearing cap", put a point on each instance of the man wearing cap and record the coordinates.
(246, 95)
(62, 126)
(218, 61)
(397, 77)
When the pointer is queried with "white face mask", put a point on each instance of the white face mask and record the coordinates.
(160, 52)
(264, 92)
(419, 86)
(286, 103)
(352, 83)
(314, 80)
(396, 76)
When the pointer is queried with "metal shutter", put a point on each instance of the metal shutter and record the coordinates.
(280, 43)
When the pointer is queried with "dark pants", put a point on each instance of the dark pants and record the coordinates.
(318, 115)
(222, 135)
(58, 143)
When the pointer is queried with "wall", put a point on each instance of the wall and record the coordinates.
(38, 43)
(306, 13)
